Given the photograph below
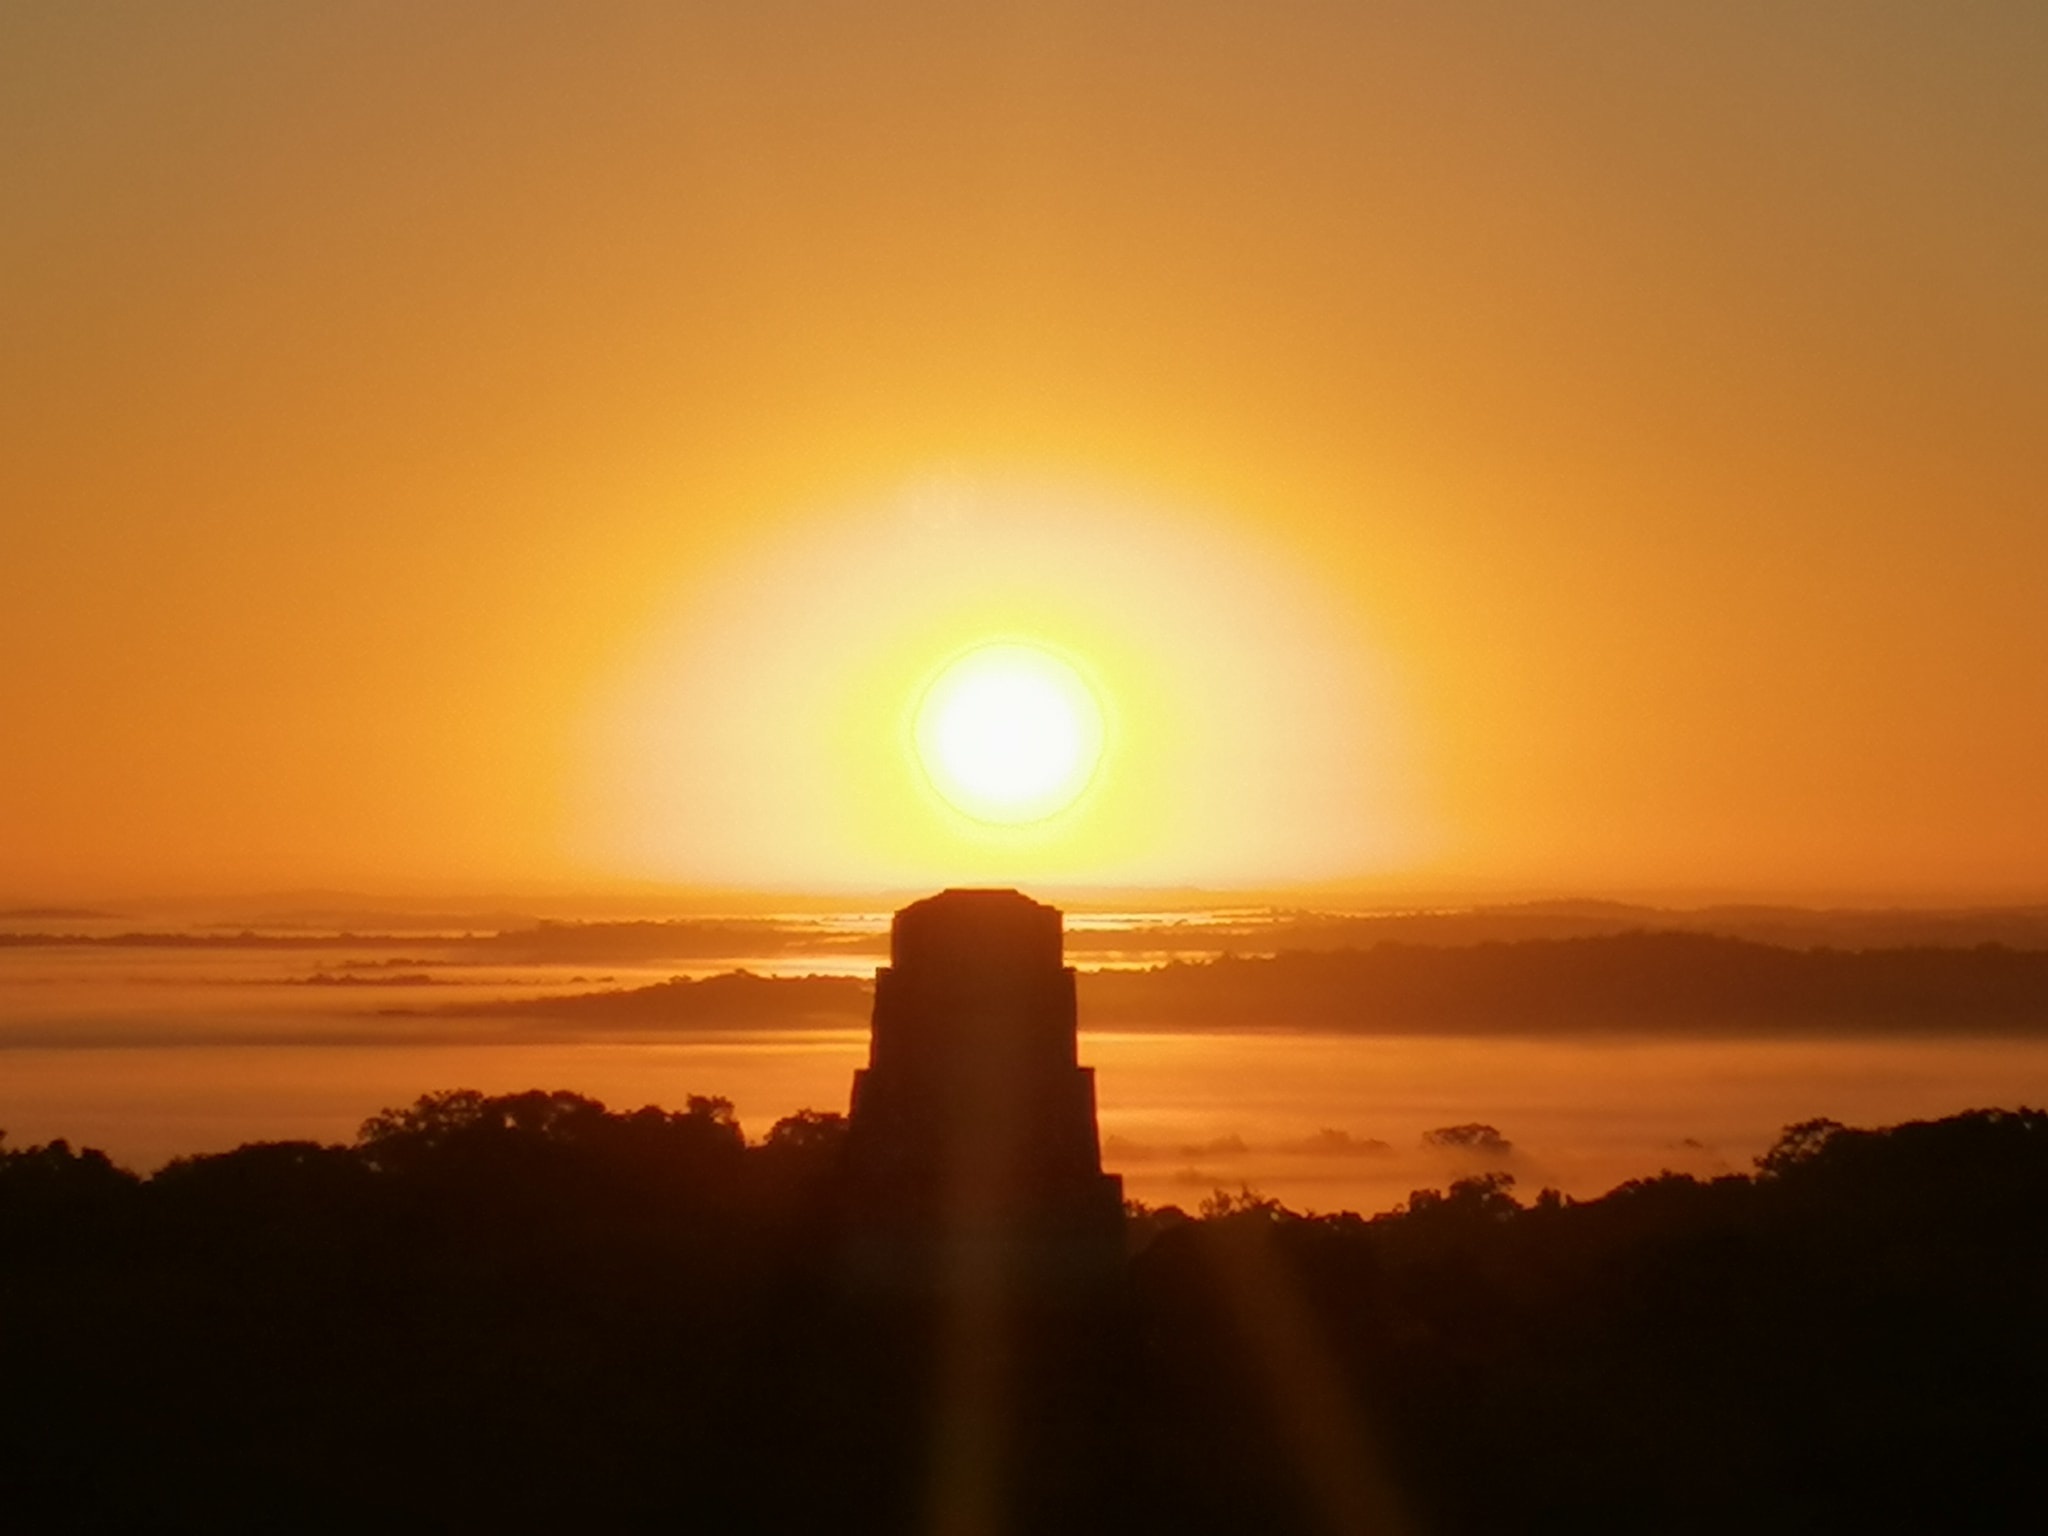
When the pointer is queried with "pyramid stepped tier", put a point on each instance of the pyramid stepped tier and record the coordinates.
(973, 1121)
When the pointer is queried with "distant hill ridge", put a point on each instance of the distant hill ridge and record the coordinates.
(1643, 982)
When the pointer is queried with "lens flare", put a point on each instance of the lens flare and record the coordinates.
(1009, 733)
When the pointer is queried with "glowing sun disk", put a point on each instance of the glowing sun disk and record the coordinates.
(1009, 733)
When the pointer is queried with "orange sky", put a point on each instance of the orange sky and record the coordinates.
(1592, 448)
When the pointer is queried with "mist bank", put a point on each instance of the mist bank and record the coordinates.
(546, 942)
(1093, 937)
(1640, 983)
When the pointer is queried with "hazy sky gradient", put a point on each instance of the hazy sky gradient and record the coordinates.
(1658, 388)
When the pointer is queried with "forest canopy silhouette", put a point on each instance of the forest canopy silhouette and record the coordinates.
(526, 1310)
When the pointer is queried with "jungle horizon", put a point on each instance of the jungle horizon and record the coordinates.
(528, 1307)
(1244, 1039)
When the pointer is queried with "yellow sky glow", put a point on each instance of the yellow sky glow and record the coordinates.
(1481, 447)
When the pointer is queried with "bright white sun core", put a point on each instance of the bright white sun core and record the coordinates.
(1009, 733)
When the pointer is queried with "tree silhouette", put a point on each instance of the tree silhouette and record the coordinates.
(527, 1310)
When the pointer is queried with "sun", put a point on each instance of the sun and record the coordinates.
(1009, 733)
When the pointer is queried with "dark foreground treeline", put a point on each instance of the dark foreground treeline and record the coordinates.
(527, 1313)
